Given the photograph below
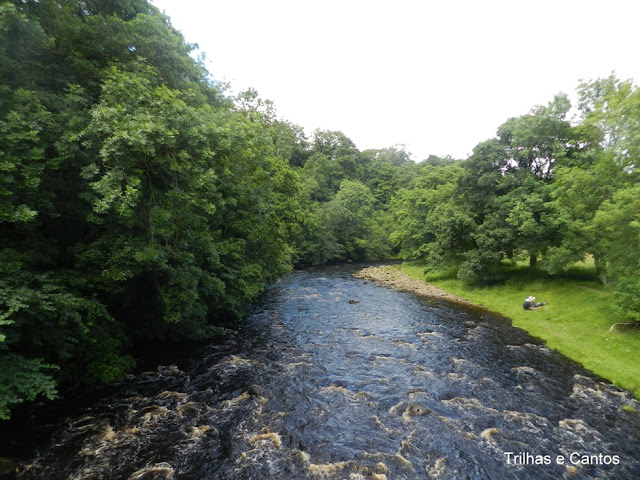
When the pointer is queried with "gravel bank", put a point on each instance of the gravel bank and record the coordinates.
(392, 277)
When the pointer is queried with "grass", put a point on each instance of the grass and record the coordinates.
(575, 322)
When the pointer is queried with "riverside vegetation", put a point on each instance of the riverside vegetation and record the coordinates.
(141, 202)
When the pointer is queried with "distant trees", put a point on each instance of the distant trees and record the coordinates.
(543, 188)
(496, 203)
(429, 222)
(348, 199)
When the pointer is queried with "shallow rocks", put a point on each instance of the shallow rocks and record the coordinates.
(392, 277)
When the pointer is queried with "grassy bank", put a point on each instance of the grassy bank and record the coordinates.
(575, 322)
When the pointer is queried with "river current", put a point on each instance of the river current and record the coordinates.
(334, 377)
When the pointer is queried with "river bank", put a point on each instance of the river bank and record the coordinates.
(576, 322)
(390, 276)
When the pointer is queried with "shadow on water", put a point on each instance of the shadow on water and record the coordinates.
(331, 377)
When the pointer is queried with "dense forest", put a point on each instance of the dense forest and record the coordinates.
(141, 202)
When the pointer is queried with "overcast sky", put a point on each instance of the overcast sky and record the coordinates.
(437, 76)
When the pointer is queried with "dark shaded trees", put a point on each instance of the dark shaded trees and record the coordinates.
(137, 202)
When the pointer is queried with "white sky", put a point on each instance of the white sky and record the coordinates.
(437, 76)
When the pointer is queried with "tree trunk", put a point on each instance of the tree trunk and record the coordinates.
(601, 269)
(533, 261)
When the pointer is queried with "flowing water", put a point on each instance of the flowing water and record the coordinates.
(334, 377)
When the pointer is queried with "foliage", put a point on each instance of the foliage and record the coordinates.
(348, 215)
(22, 380)
(542, 188)
(430, 223)
(137, 202)
(619, 221)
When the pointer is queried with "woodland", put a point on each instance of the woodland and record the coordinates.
(141, 202)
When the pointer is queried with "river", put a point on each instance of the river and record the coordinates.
(330, 376)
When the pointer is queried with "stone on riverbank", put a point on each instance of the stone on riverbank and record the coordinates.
(392, 277)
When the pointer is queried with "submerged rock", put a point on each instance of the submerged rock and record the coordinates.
(257, 391)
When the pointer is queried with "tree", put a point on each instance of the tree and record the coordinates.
(137, 202)
(612, 108)
(619, 220)
(483, 189)
(349, 217)
(535, 144)
(385, 171)
(577, 195)
(507, 188)
(341, 153)
(604, 165)
(432, 222)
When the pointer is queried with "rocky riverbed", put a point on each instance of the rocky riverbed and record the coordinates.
(392, 277)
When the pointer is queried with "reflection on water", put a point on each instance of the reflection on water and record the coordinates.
(333, 377)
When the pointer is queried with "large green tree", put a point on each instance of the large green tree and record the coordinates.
(507, 188)
(612, 108)
(534, 146)
(137, 201)
(432, 224)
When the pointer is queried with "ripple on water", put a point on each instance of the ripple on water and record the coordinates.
(408, 410)
(530, 423)
(269, 437)
(313, 386)
(370, 336)
(429, 336)
(338, 389)
(386, 358)
(295, 365)
(350, 330)
(457, 377)
(156, 471)
(401, 343)
(581, 430)
(422, 371)
(468, 405)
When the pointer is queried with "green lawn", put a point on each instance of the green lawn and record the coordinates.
(575, 322)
